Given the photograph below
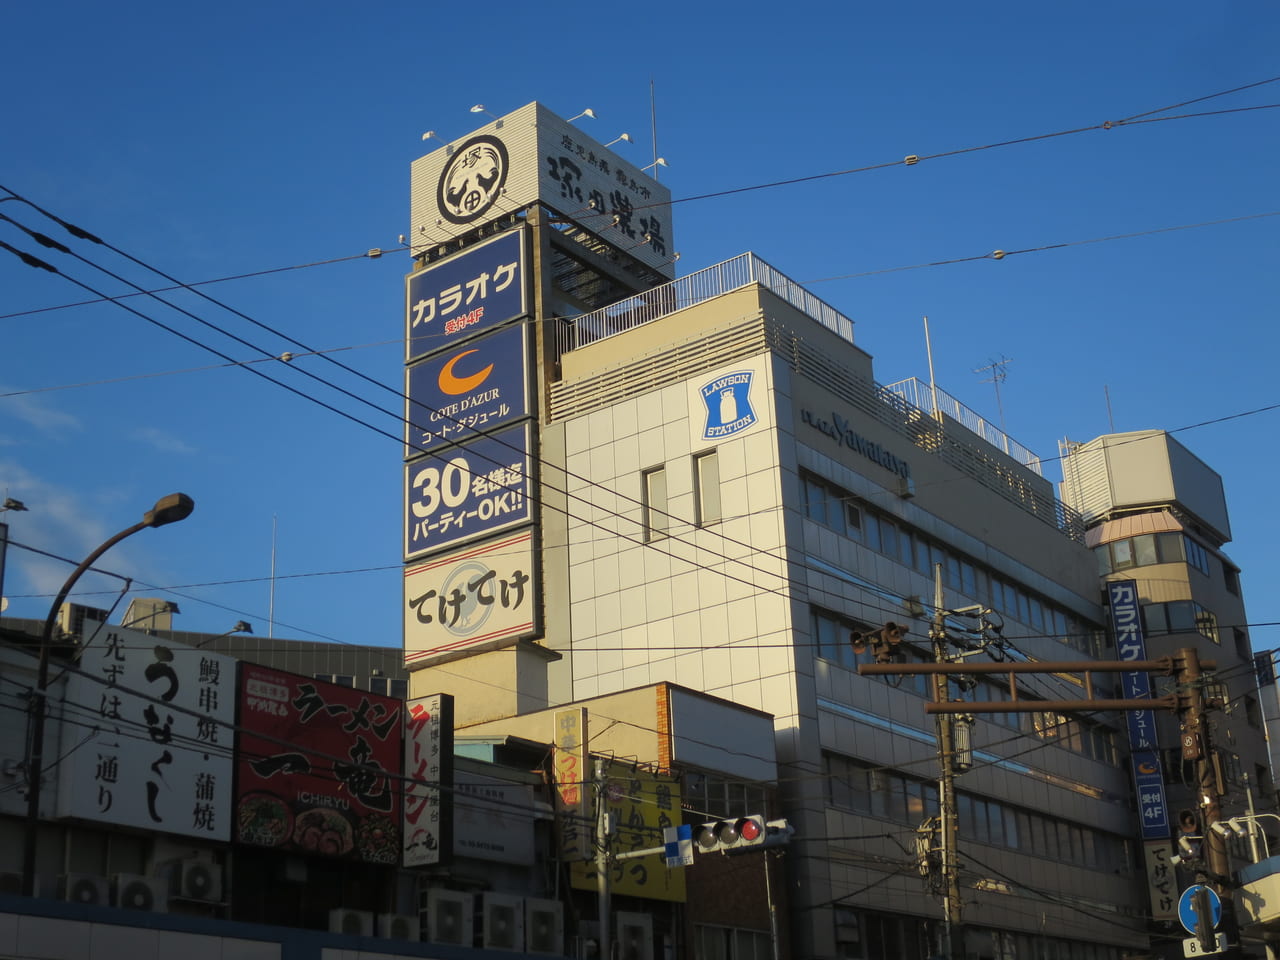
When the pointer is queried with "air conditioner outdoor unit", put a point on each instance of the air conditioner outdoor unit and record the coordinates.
(635, 936)
(84, 888)
(503, 921)
(450, 917)
(544, 926)
(136, 892)
(197, 880)
(356, 922)
(397, 926)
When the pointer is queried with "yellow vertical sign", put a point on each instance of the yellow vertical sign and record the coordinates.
(573, 784)
(643, 804)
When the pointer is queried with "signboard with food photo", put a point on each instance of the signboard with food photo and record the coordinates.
(318, 766)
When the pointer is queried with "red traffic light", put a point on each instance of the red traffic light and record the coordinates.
(724, 835)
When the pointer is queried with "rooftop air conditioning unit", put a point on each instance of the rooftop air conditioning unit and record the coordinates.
(136, 892)
(197, 880)
(635, 936)
(544, 926)
(84, 888)
(397, 926)
(450, 917)
(503, 921)
(355, 922)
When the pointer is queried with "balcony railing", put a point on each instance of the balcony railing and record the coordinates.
(697, 288)
(918, 393)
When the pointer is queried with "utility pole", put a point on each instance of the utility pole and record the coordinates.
(952, 936)
(603, 835)
(1188, 702)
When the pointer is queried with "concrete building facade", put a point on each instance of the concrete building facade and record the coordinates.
(722, 494)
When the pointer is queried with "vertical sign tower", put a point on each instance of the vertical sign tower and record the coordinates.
(516, 227)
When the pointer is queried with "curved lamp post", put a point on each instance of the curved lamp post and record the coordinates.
(170, 509)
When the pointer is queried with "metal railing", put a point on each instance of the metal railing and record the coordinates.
(919, 394)
(693, 289)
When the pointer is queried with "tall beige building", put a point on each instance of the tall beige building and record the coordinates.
(714, 490)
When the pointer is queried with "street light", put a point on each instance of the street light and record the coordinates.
(242, 626)
(170, 509)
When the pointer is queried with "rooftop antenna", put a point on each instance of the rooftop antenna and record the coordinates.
(271, 606)
(1106, 392)
(933, 384)
(653, 129)
(998, 375)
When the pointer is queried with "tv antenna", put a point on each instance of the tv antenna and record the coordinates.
(998, 376)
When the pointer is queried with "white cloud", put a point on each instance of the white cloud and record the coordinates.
(162, 441)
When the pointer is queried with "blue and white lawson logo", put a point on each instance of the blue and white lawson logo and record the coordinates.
(728, 403)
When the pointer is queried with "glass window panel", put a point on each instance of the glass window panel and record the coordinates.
(924, 552)
(707, 477)
(996, 818)
(1037, 613)
(1169, 547)
(897, 809)
(1103, 553)
(1155, 618)
(968, 579)
(878, 784)
(889, 537)
(655, 504)
(871, 529)
(964, 812)
(1121, 554)
(931, 799)
(1182, 616)
(852, 519)
(915, 801)
(1144, 550)
(906, 553)
(951, 572)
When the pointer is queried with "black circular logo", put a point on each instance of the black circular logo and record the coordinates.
(473, 179)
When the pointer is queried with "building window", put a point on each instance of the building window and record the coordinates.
(1231, 576)
(1243, 649)
(655, 503)
(731, 943)
(1180, 616)
(1252, 712)
(1151, 548)
(706, 486)
(887, 794)
(388, 687)
(708, 797)
(840, 510)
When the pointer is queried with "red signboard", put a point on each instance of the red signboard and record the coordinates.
(318, 767)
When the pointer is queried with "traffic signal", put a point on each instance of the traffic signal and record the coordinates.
(743, 833)
(881, 641)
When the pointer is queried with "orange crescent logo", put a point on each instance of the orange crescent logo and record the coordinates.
(455, 385)
(1147, 767)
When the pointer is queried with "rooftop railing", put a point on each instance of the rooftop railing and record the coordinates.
(697, 288)
(920, 395)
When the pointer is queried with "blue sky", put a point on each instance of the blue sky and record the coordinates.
(214, 142)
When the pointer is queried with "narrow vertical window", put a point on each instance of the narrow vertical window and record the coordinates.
(655, 503)
(706, 481)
